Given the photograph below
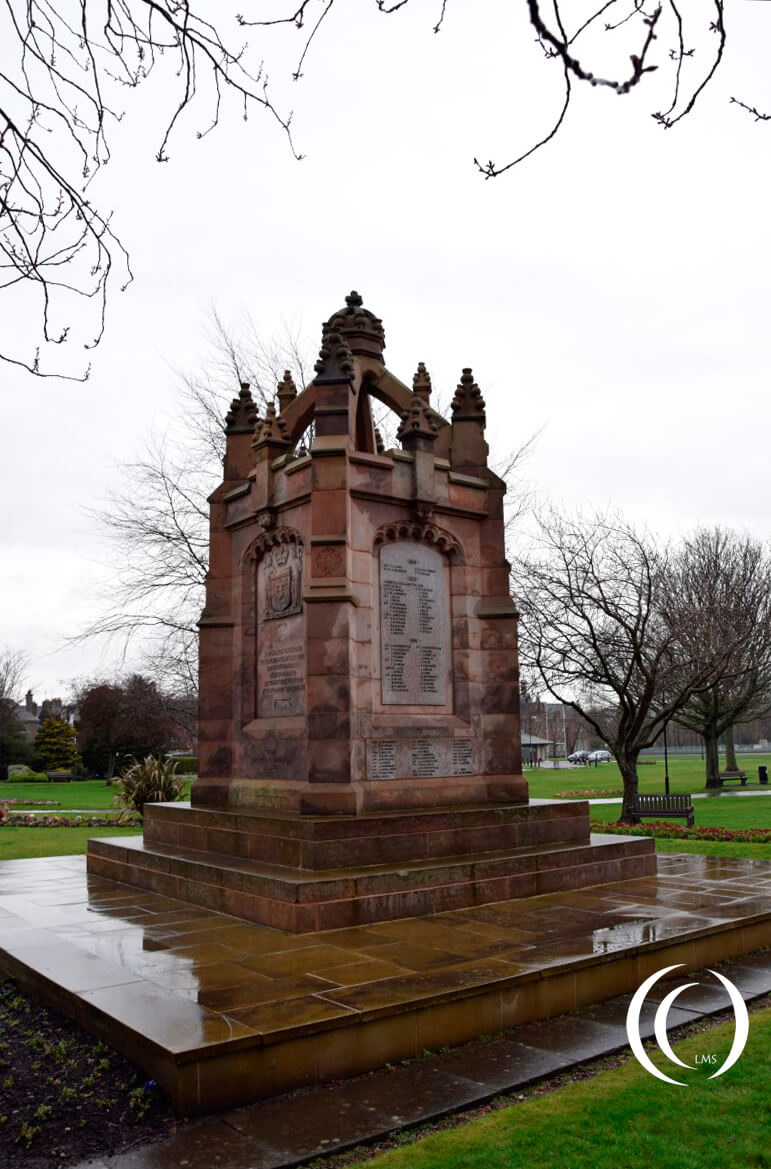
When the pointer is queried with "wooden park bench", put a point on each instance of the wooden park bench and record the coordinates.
(726, 776)
(659, 807)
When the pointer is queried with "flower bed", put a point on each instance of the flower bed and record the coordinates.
(32, 803)
(130, 820)
(590, 794)
(67, 1098)
(665, 830)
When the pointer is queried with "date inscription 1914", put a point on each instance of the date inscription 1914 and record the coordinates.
(413, 625)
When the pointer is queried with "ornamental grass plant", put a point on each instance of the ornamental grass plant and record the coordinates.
(149, 781)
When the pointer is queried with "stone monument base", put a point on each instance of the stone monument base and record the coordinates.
(305, 874)
(222, 1013)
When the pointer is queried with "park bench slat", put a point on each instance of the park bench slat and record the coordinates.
(731, 775)
(663, 806)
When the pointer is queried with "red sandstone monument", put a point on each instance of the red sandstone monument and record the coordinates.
(359, 753)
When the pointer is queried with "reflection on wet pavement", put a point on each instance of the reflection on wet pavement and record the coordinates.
(187, 979)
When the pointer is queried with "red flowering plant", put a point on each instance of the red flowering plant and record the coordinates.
(668, 831)
(589, 794)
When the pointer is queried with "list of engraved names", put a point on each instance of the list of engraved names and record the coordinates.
(413, 625)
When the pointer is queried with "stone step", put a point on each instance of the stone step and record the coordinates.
(320, 843)
(300, 901)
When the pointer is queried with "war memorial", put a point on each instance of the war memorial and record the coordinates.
(360, 874)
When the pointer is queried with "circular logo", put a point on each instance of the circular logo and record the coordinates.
(741, 1025)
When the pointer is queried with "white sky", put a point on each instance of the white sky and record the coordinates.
(613, 290)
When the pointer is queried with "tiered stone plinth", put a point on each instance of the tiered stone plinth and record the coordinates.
(306, 874)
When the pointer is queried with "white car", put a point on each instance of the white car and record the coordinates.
(599, 757)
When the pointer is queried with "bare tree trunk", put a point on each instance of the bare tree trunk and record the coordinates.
(627, 765)
(730, 750)
(712, 758)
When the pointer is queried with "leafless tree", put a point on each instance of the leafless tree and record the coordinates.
(723, 581)
(599, 634)
(157, 524)
(13, 665)
(68, 68)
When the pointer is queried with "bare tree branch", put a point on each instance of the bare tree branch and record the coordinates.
(601, 634)
(68, 66)
(722, 581)
(65, 65)
(157, 524)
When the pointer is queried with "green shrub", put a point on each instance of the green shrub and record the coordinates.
(20, 773)
(149, 781)
(56, 745)
(186, 764)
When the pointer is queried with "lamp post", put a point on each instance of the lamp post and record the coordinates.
(666, 762)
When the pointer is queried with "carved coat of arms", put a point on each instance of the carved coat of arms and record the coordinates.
(282, 569)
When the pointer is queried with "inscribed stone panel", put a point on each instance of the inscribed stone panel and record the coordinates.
(424, 757)
(280, 634)
(414, 625)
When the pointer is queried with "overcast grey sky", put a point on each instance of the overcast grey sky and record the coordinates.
(612, 291)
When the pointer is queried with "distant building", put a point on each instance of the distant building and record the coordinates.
(535, 750)
(28, 716)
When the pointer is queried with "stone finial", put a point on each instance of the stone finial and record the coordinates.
(271, 430)
(287, 391)
(335, 361)
(379, 444)
(361, 328)
(242, 415)
(421, 382)
(468, 405)
(418, 423)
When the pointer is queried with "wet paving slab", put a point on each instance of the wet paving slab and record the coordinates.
(180, 983)
(295, 1128)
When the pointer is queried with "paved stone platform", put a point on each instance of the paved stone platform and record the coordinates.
(292, 1129)
(223, 1012)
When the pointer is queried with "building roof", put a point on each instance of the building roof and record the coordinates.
(24, 715)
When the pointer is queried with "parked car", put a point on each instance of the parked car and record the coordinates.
(578, 757)
(599, 757)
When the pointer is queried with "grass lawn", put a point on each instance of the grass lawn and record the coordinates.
(716, 848)
(725, 811)
(18, 843)
(622, 1118)
(80, 795)
(686, 774)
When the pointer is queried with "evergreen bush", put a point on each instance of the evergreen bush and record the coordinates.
(56, 746)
